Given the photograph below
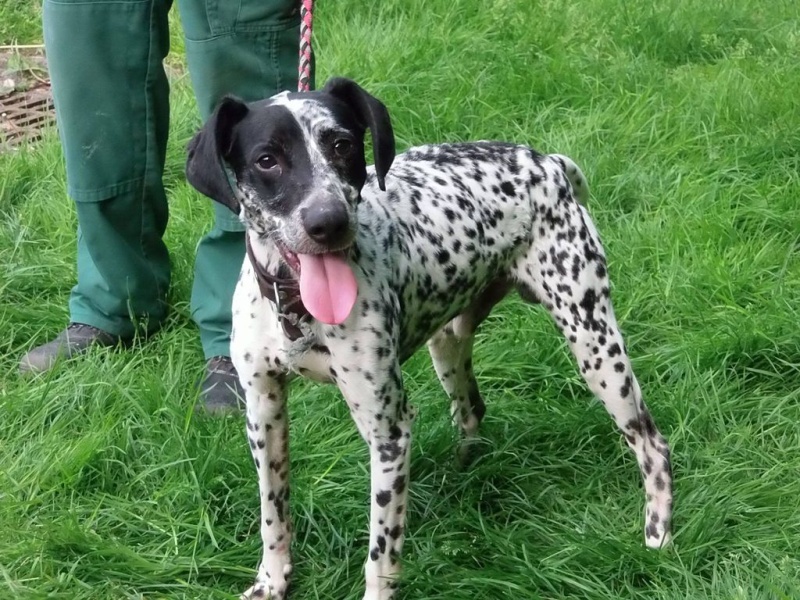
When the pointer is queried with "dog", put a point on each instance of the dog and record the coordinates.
(350, 269)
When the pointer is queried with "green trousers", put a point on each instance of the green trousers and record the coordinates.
(112, 106)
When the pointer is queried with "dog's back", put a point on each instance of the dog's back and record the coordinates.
(453, 220)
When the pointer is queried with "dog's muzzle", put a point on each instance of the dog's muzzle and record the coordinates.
(327, 223)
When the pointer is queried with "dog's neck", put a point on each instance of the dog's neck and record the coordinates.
(283, 292)
(262, 250)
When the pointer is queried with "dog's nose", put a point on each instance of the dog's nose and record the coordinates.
(326, 223)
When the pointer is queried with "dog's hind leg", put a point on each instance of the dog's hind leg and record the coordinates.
(452, 359)
(451, 351)
(565, 270)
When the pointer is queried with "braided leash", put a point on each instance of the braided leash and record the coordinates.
(306, 17)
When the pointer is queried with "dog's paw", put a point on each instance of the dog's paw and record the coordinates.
(382, 592)
(657, 540)
(658, 521)
(468, 451)
(268, 586)
(262, 590)
(656, 533)
(257, 591)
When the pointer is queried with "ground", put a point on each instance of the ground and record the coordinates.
(683, 115)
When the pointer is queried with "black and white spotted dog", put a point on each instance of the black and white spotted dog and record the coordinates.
(350, 269)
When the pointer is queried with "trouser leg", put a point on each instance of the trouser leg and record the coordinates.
(250, 49)
(112, 103)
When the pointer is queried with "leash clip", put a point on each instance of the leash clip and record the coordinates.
(277, 298)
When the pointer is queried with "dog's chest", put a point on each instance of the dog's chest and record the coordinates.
(313, 362)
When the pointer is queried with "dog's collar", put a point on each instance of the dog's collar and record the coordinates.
(284, 293)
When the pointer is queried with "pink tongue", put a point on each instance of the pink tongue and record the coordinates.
(328, 287)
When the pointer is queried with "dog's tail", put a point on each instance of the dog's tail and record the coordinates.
(580, 187)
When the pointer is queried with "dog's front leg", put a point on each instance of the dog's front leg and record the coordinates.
(268, 436)
(257, 352)
(379, 407)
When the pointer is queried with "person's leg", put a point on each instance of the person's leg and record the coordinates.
(111, 98)
(250, 49)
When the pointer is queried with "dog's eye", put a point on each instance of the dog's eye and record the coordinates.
(342, 147)
(267, 162)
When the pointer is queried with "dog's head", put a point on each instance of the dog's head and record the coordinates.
(297, 163)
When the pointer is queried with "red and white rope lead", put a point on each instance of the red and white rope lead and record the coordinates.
(306, 18)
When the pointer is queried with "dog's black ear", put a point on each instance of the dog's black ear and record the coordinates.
(373, 114)
(209, 149)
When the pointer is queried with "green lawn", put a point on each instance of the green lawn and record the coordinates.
(683, 114)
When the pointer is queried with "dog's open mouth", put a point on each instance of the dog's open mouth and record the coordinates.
(328, 287)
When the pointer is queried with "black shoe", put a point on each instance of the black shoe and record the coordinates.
(76, 339)
(220, 391)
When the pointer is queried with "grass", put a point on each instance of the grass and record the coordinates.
(683, 115)
(20, 22)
